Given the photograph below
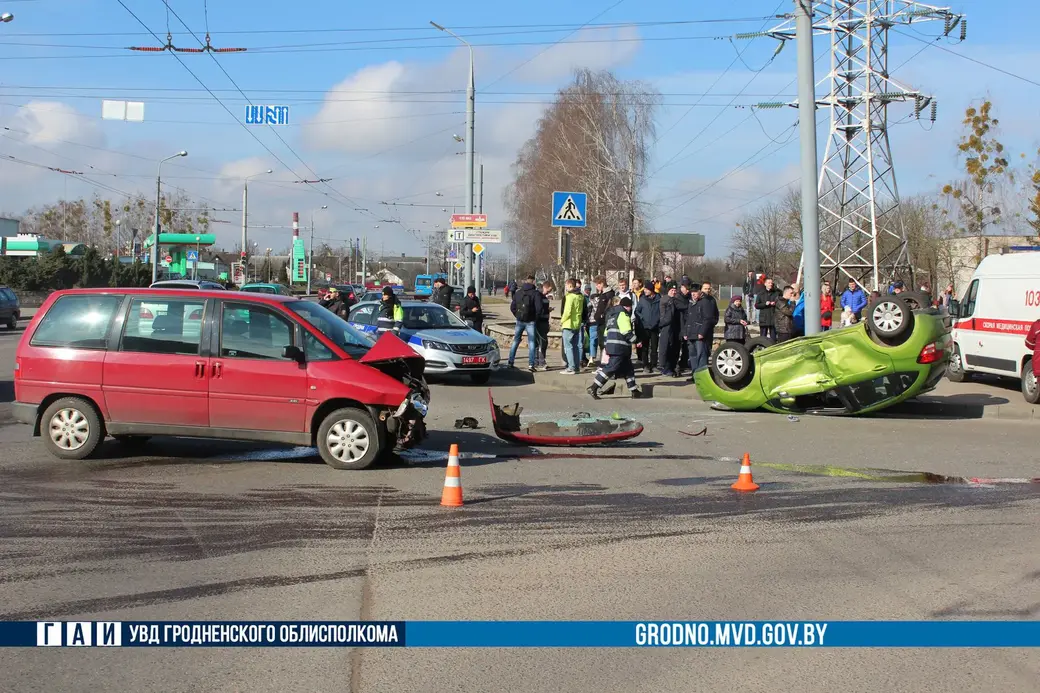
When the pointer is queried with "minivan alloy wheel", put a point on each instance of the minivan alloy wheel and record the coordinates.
(69, 429)
(348, 440)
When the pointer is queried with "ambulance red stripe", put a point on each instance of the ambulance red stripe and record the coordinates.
(1020, 327)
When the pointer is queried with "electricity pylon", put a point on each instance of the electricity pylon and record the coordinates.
(862, 237)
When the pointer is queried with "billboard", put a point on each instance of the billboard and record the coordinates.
(298, 264)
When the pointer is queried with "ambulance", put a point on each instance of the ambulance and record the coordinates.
(992, 319)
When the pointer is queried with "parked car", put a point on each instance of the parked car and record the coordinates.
(992, 319)
(446, 343)
(134, 363)
(10, 309)
(895, 354)
(267, 288)
(188, 284)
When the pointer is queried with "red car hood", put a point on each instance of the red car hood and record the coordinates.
(389, 347)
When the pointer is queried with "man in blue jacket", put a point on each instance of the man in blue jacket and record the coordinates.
(854, 298)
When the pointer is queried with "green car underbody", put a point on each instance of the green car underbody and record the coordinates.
(842, 371)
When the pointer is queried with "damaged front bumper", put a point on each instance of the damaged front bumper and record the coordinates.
(407, 425)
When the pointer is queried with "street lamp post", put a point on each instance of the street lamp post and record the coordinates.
(115, 237)
(245, 214)
(310, 251)
(158, 196)
(198, 252)
(470, 113)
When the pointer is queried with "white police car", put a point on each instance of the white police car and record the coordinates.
(447, 343)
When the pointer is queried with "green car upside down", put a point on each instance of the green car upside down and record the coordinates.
(894, 354)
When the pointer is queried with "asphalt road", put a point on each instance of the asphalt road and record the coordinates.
(650, 531)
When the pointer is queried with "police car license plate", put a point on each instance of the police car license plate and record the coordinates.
(466, 360)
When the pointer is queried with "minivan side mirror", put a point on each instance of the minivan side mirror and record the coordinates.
(293, 353)
(955, 307)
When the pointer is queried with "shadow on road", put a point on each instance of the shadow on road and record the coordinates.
(970, 405)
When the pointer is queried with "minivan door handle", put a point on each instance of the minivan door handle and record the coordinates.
(200, 369)
(217, 370)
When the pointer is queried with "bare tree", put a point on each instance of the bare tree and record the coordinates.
(595, 138)
(770, 238)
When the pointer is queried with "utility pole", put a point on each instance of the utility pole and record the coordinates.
(364, 263)
(310, 252)
(471, 101)
(480, 203)
(245, 219)
(807, 137)
(862, 234)
(158, 200)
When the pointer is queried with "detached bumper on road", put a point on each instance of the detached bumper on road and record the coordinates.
(24, 413)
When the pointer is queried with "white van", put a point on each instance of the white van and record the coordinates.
(993, 317)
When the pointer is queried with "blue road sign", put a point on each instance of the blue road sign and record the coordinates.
(267, 115)
(193, 256)
(452, 254)
(568, 209)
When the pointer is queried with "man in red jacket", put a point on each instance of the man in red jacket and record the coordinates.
(1033, 344)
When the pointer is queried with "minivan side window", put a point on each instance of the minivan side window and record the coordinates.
(77, 322)
(967, 308)
(252, 332)
(163, 326)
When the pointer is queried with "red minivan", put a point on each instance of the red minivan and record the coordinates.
(135, 363)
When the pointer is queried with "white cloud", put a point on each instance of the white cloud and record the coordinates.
(589, 48)
(50, 122)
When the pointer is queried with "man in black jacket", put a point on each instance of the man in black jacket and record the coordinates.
(703, 335)
(441, 294)
(599, 303)
(766, 305)
(683, 303)
(648, 327)
(526, 307)
(471, 310)
(670, 325)
(542, 328)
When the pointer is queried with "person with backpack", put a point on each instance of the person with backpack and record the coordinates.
(571, 325)
(526, 306)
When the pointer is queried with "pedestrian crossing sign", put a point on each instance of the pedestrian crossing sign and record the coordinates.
(569, 209)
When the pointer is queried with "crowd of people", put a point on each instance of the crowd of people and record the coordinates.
(669, 323)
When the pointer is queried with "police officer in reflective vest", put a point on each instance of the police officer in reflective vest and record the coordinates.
(391, 314)
(618, 346)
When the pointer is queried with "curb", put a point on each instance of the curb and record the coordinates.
(920, 409)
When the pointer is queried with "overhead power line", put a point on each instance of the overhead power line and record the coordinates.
(421, 27)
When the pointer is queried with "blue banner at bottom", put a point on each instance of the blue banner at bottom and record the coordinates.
(924, 634)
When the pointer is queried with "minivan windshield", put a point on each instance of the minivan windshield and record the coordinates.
(354, 342)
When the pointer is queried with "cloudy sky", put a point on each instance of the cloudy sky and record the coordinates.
(376, 96)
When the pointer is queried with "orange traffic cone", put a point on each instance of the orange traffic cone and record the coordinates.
(744, 481)
(452, 495)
